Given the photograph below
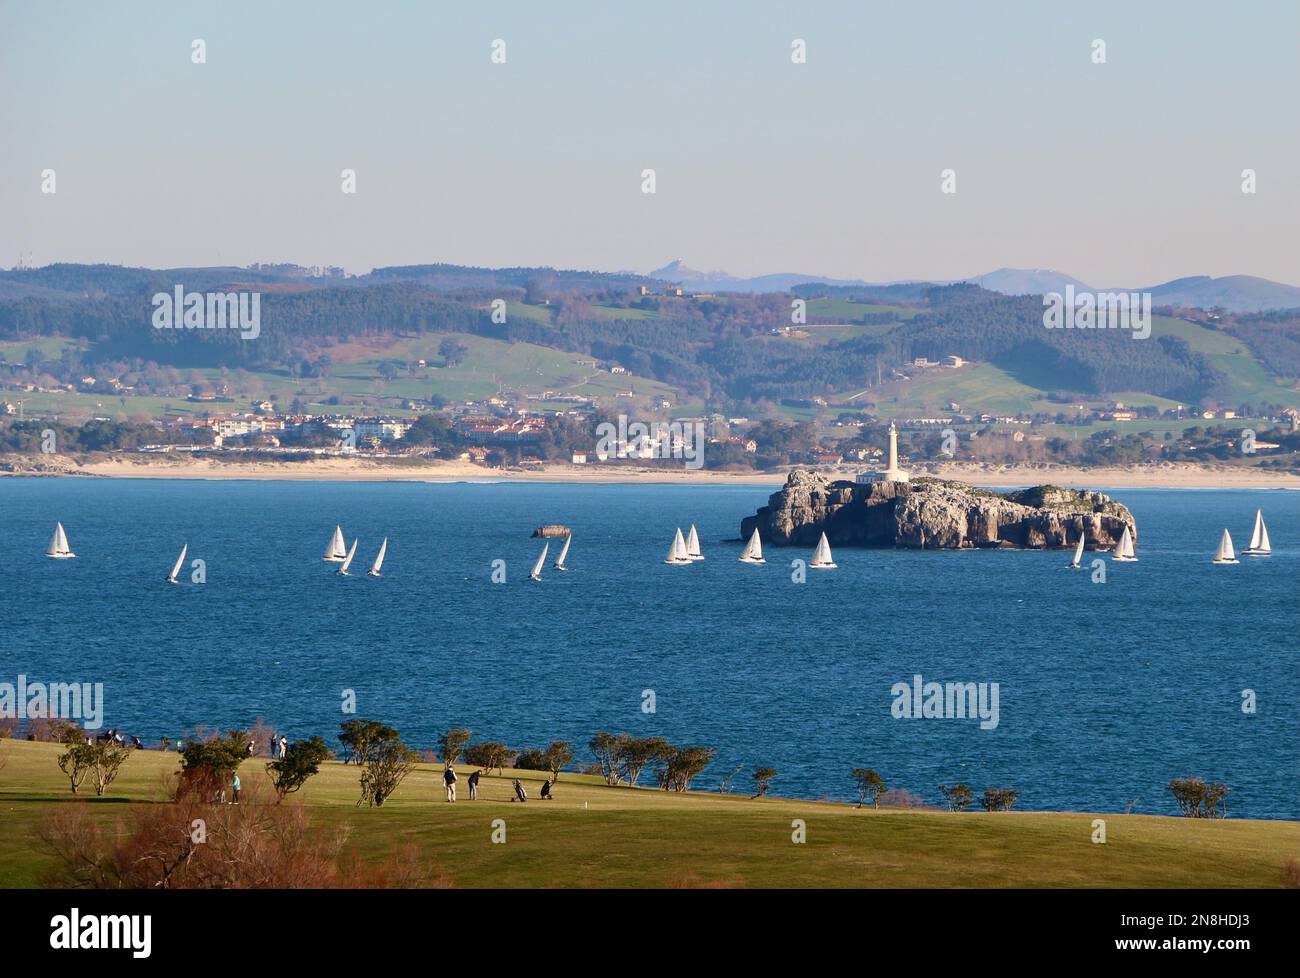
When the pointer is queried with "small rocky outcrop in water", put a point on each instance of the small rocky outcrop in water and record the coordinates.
(932, 513)
(552, 530)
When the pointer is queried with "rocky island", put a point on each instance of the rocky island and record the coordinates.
(933, 513)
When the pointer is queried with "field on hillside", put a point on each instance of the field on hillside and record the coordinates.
(594, 835)
(354, 380)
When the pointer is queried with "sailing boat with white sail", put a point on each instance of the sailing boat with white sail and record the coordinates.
(753, 550)
(347, 561)
(1078, 553)
(1225, 553)
(693, 545)
(379, 560)
(176, 569)
(1259, 545)
(337, 550)
(677, 551)
(1124, 549)
(822, 555)
(536, 575)
(564, 552)
(58, 548)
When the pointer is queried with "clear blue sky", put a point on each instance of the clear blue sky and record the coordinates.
(1126, 173)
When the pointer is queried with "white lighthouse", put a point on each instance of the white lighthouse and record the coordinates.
(892, 473)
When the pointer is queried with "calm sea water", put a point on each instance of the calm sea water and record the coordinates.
(1106, 690)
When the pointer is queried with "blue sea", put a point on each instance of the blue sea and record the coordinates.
(1106, 690)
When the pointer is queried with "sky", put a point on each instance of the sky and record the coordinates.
(1125, 173)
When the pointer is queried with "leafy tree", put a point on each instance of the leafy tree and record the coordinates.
(640, 751)
(531, 760)
(208, 764)
(384, 759)
(1197, 799)
(301, 761)
(452, 351)
(107, 758)
(870, 786)
(452, 744)
(957, 797)
(556, 756)
(681, 765)
(76, 761)
(488, 755)
(609, 749)
(998, 799)
(763, 780)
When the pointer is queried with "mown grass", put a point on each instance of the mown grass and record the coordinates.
(594, 835)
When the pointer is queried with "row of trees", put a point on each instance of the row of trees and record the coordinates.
(208, 765)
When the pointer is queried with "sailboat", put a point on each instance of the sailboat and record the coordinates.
(1225, 553)
(337, 550)
(1124, 549)
(347, 561)
(1259, 545)
(58, 547)
(536, 575)
(564, 552)
(171, 578)
(379, 560)
(822, 555)
(693, 545)
(753, 550)
(677, 552)
(1076, 563)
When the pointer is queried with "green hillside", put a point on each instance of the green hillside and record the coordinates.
(594, 835)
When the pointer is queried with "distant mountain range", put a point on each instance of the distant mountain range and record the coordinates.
(1236, 293)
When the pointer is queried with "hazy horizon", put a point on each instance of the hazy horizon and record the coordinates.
(1126, 173)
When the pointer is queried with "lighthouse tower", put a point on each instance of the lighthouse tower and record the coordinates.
(892, 473)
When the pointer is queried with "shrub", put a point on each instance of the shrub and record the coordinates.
(301, 761)
(998, 799)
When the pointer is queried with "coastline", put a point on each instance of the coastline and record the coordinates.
(1164, 476)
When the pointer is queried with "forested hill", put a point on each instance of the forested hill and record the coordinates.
(732, 347)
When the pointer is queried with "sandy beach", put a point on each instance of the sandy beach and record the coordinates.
(1168, 475)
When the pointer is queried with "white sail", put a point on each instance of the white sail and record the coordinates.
(753, 550)
(677, 550)
(58, 547)
(1124, 549)
(337, 549)
(379, 559)
(347, 561)
(693, 545)
(536, 575)
(1259, 545)
(822, 555)
(564, 552)
(171, 578)
(1225, 554)
(1078, 552)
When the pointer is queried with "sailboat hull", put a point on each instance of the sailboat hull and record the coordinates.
(1226, 560)
(60, 556)
(823, 566)
(1257, 553)
(752, 560)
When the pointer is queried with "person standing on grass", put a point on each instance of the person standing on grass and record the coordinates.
(235, 787)
(449, 779)
(473, 785)
(284, 747)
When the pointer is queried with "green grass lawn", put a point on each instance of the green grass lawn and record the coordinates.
(594, 835)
